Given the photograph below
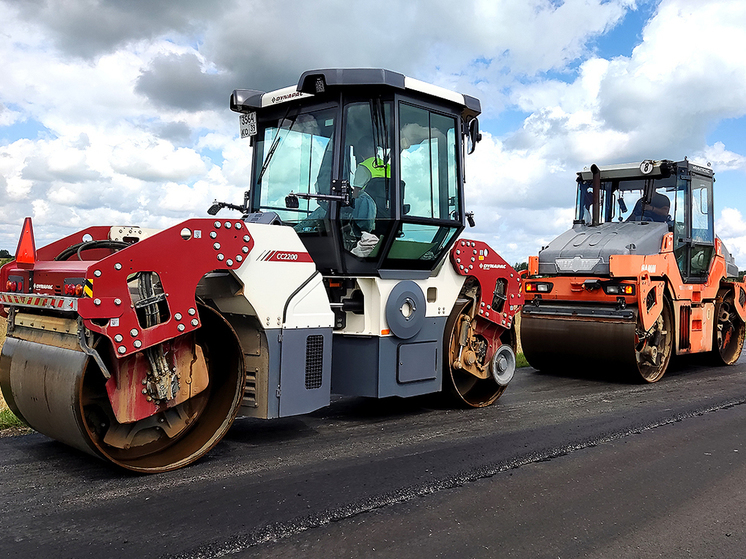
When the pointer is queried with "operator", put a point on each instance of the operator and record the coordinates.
(657, 210)
(361, 214)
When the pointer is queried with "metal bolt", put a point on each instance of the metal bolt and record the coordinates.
(227, 224)
(216, 246)
(122, 349)
(137, 344)
(192, 311)
(238, 225)
(246, 238)
(181, 327)
(213, 234)
(144, 390)
(118, 338)
(133, 332)
(195, 322)
(97, 302)
(177, 316)
(229, 262)
(117, 302)
(221, 257)
(97, 273)
(149, 399)
(245, 250)
(217, 225)
(239, 258)
(117, 266)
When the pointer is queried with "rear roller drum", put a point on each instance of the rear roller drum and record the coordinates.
(728, 335)
(470, 376)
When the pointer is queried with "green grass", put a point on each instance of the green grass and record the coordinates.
(8, 420)
(520, 361)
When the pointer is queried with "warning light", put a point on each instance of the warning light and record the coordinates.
(26, 251)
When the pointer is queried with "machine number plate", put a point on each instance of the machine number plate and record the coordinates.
(247, 123)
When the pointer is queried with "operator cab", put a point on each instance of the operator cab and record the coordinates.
(366, 165)
(676, 193)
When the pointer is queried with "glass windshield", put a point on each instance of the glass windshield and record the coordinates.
(623, 200)
(296, 156)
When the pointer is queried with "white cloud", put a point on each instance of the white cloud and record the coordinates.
(731, 228)
(126, 129)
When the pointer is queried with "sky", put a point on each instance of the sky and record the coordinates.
(115, 112)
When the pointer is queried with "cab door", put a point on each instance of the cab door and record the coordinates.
(694, 232)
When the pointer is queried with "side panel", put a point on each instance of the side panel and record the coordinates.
(389, 366)
(305, 372)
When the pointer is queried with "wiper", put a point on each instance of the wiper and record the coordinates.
(275, 143)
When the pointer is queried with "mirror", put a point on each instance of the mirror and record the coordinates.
(474, 136)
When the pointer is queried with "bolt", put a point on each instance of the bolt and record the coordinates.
(229, 262)
(195, 322)
(97, 273)
(213, 234)
(238, 225)
(117, 266)
(217, 225)
(137, 344)
(239, 258)
(144, 390)
(117, 302)
(118, 338)
(122, 349)
(216, 246)
(246, 238)
(97, 302)
(227, 224)
(221, 257)
(245, 250)
(149, 399)
(192, 311)
(181, 327)
(133, 332)
(177, 316)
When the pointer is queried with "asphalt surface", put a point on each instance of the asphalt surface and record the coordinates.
(561, 466)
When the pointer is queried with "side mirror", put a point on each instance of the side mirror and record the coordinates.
(474, 136)
(215, 208)
(291, 202)
(470, 219)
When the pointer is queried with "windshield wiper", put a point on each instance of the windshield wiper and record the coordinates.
(275, 143)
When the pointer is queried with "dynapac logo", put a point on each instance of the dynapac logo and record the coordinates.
(284, 256)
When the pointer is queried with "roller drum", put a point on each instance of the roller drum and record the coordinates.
(577, 344)
(60, 391)
(42, 386)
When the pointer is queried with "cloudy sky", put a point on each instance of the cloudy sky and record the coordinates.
(116, 111)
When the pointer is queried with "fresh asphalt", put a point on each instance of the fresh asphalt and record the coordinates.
(563, 465)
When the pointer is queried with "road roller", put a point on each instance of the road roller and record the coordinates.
(639, 278)
(342, 271)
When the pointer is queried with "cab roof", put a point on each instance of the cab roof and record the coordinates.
(319, 82)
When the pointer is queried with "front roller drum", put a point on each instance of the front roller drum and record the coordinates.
(571, 344)
(61, 392)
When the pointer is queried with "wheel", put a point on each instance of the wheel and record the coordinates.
(728, 334)
(653, 347)
(472, 375)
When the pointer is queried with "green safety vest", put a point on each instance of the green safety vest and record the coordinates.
(377, 170)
